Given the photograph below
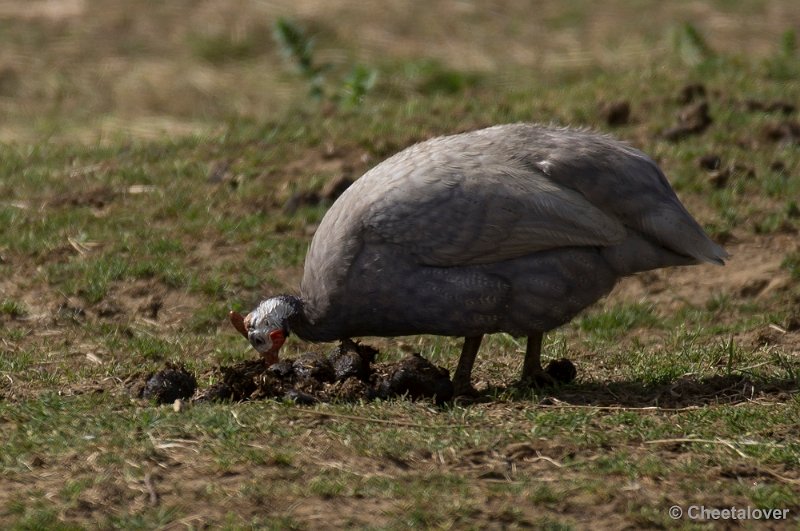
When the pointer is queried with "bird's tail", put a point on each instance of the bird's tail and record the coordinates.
(637, 254)
(674, 228)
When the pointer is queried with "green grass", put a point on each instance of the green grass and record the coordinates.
(792, 264)
(12, 308)
(121, 251)
(618, 320)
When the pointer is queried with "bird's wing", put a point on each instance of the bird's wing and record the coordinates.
(475, 210)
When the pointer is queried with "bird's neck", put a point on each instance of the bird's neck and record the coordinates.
(308, 326)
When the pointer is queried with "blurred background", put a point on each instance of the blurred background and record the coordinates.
(87, 69)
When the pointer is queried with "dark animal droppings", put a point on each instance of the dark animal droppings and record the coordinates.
(347, 373)
(692, 119)
(787, 132)
(691, 92)
(299, 397)
(709, 162)
(314, 366)
(783, 107)
(169, 384)
(415, 377)
(351, 360)
(282, 369)
(616, 112)
(562, 371)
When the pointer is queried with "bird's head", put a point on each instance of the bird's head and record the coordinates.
(267, 327)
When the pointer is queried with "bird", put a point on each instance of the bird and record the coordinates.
(514, 228)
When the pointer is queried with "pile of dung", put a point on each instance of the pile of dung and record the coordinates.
(347, 373)
(169, 384)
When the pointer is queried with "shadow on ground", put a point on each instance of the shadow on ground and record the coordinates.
(687, 391)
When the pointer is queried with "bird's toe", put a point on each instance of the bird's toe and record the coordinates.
(558, 372)
(465, 394)
(537, 379)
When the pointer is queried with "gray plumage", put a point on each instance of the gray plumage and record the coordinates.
(513, 228)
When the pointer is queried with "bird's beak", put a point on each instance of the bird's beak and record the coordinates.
(238, 322)
(271, 356)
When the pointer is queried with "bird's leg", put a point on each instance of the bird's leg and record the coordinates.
(462, 386)
(532, 372)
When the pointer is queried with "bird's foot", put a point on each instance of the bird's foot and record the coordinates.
(558, 372)
(468, 400)
(538, 379)
(465, 394)
(464, 390)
